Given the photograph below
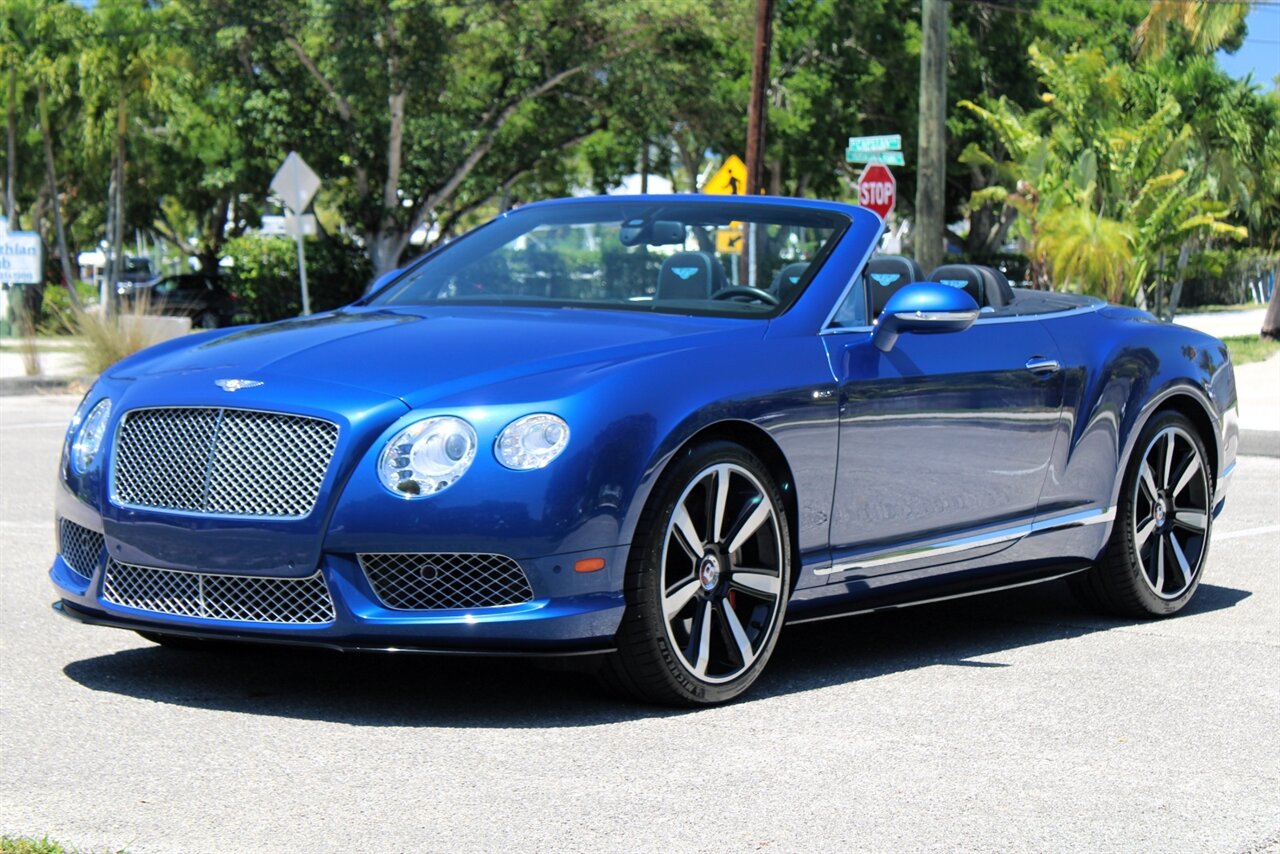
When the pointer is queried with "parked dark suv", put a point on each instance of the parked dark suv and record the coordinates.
(198, 296)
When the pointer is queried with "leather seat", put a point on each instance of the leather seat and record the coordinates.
(888, 274)
(787, 282)
(987, 287)
(690, 275)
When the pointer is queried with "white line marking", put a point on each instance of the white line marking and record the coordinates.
(1247, 532)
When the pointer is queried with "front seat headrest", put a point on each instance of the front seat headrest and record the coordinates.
(787, 282)
(886, 275)
(688, 275)
(969, 278)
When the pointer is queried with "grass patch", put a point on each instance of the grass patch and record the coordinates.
(28, 845)
(1250, 348)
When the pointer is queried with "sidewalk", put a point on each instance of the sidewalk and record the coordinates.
(1225, 324)
(59, 366)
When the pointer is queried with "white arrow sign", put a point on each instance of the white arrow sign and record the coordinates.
(295, 182)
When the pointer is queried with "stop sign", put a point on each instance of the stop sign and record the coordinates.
(877, 190)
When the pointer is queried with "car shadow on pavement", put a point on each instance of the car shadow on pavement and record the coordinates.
(376, 689)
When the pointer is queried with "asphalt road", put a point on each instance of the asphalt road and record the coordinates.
(1015, 721)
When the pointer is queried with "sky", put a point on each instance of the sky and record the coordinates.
(1261, 50)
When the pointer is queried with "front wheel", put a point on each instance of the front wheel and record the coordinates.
(1160, 538)
(707, 581)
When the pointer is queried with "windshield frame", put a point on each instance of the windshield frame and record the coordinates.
(690, 211)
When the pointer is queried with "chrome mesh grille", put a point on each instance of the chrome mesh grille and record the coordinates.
(79, 546)
(428, 582)
(232, 462)
(245, 598)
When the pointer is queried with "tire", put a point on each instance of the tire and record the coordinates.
(705, 601)
(1164, 519)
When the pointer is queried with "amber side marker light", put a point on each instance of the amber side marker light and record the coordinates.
(590, 564)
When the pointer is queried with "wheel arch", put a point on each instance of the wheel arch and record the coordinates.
(758, 441)
(1188, 401)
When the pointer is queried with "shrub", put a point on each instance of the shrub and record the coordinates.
(265, 275)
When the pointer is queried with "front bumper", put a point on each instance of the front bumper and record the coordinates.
(551, 623)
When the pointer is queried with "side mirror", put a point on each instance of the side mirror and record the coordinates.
(923, 307)
(382, 280)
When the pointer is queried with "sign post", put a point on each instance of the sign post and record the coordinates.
(877, 189)
(296, 184)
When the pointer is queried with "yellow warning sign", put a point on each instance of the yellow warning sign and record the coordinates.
(730, 179)
(729, 240)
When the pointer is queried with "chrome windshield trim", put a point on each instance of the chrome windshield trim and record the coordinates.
(857, 271)
(901, 554)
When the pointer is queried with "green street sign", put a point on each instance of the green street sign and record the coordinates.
(885, 142)
(888, 158)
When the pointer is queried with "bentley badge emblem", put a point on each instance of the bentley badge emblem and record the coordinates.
(236, 385)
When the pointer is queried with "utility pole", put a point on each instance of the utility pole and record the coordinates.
(756, 111)
(931, 152)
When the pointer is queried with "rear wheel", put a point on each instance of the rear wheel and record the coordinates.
(1160, 539)
(707, 581)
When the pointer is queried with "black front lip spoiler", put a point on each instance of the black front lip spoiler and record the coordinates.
(72, 612)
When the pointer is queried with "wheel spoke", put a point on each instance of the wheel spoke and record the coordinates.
(1191, 519)
(1149, 481)
(722, 501)
(1183, 566)
(681, 521)
(704, 641)
(1168, 459)
(676, 599)
(1159, 585)
(1144, 532)
(1193, 467)
(738, 632)
(757, 581)
(758, 516)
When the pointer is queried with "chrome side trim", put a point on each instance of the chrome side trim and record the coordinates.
(915, 552)
(936, 316)
(1014, 532)
(983, 320)
(1096, 516)
(901, 605)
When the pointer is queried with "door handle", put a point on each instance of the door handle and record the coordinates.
(1040, 365)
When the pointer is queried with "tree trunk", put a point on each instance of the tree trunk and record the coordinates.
(1175, 293)
(931, 173)
(68, 274)
(11, 178)
(1271, 322)
(115, 234)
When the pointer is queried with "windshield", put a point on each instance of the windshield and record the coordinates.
(728, 259)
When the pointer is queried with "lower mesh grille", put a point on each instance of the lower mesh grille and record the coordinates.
(79, 546)
(429, 582)
(219, 597)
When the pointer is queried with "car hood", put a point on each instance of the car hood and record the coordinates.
(431, 352)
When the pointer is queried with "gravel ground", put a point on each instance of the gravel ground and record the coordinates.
(1014, 721)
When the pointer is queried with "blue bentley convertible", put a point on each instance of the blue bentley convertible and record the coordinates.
(652, 429)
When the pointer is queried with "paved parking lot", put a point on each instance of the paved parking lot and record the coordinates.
(1015, 721)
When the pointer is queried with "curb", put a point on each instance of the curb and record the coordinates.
(12, 386)
(1259, 443)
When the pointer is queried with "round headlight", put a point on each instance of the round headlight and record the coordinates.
(532, 442)
(84, 450)
(428, 456)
